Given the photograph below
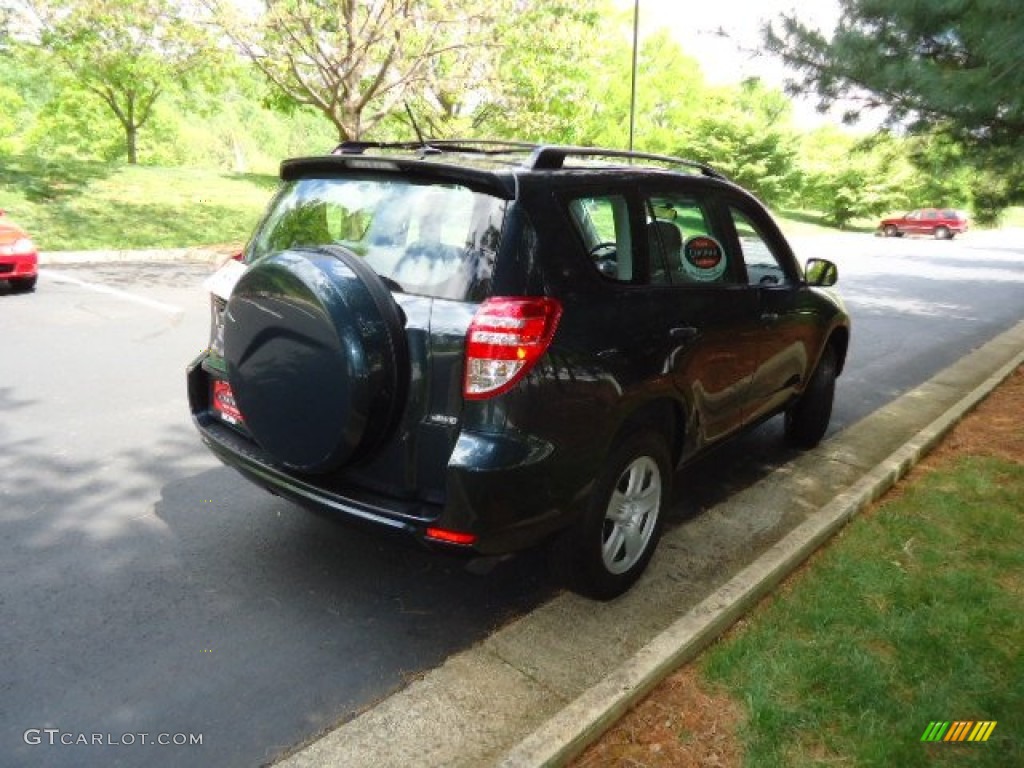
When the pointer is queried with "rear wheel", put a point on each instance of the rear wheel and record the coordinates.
(807, 419)
(943, 233)
(606, 551)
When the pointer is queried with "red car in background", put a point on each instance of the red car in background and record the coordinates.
(940, 223)
(19, 260)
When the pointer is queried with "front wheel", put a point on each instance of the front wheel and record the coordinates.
(807, 419)
(606, 551)
(891, 231)
(24, 284)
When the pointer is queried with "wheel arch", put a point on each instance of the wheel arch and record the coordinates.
(663, 416)
(839, 340)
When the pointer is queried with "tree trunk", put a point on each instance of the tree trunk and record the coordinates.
(130, 132)
(239, 154)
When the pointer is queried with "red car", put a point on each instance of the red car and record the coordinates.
(19, 261)
(940, 223)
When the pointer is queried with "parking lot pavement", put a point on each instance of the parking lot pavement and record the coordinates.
(147, 588)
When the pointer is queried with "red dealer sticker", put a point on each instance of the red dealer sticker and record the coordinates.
(224, 402)
(703, 258)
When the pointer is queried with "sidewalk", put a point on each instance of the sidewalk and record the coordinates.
(540, 689)
(210, 256)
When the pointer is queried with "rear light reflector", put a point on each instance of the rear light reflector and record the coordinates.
(451, 537)
(505, 339)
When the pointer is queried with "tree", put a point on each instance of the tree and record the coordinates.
(951, 66)
(744, 131)
(546, 63)
(355, 61)
(670, 90)
(847, 177)
(126, 53)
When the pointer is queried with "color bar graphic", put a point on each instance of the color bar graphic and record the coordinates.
(959, 730)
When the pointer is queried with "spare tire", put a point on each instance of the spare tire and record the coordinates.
(316, 357)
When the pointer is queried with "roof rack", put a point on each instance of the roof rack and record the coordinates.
(543, 157)
(552, 157)
(359, 147)
(436, 146)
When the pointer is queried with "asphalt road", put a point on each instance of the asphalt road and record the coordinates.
(146, 589)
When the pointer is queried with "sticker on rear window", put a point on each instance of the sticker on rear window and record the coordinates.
(703, 258)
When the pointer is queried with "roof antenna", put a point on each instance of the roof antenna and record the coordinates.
(427, 149)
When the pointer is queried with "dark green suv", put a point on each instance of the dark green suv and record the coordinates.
(492, 345)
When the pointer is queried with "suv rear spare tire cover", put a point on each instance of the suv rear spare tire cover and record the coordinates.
(317, 357)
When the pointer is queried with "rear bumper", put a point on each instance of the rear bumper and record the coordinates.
(498, 486)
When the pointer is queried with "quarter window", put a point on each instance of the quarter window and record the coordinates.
(603, 225)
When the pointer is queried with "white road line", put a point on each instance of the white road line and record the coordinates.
(62, 277)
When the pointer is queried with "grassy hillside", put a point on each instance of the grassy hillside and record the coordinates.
(75, 205)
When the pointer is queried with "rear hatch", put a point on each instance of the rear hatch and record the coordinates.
(305, 334)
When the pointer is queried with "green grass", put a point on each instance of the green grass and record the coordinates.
(802, 223)
(1013, 217)
(914, 614)
(78, 205)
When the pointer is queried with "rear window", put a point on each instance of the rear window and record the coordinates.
(438, 240)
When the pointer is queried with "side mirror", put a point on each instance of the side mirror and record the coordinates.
(821, 272)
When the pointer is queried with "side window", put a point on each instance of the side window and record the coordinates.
(763, 266)
(683, 246)
(603, 225)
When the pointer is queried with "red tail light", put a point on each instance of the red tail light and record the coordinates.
(506, 338)
(451, 537)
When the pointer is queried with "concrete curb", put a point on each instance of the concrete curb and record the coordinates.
(190, 255)
(566, 735)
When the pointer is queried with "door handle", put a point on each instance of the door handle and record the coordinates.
(683, 333)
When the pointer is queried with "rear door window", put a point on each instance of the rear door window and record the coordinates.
(684, 247)
(438, 240)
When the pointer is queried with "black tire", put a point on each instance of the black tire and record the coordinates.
(807, 419)
(943, 233)
(608, 549)
(892, 231)
(24, 284)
